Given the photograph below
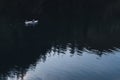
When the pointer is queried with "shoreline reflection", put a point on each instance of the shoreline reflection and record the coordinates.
(28, 52)
(62, 56)
(56, 65)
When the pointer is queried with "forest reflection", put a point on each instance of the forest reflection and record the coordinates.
(75, 26)
(22, 46)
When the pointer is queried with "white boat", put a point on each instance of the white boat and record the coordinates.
(31, 23)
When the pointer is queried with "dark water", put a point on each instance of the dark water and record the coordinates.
(86, 52)
(73, 40)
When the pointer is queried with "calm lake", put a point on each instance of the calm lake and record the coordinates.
(59, 51)
(73, 40)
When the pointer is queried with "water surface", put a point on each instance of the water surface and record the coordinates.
(59, 49)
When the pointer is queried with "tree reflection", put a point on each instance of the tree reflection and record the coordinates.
(22, 46)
